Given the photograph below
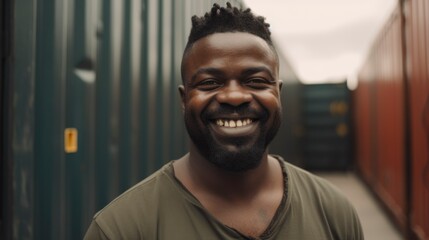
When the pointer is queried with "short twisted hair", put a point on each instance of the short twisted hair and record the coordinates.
(229, 19)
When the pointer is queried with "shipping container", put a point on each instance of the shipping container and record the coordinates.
(381, 120)
(417, 35)
(391, 109)
(326, 121)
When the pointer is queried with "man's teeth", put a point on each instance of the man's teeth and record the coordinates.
(233, 123)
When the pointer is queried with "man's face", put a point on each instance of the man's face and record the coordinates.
(231, 98)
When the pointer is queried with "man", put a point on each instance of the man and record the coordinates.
(228, 186)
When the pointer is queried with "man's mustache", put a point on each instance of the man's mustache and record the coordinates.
(244, 110)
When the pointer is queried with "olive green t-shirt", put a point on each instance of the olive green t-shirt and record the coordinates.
(160, 207)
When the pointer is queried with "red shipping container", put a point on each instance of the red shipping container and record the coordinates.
(380, 119)
(390, 119)
(418, 73)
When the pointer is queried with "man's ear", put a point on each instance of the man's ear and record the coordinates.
(182, 96)
(280, 84)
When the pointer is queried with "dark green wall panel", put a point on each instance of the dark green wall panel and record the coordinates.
(49, 120)
(23, 119)
(125, 114)
(103, 110)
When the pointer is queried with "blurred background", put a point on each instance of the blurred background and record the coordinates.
(326, 41)
(89, 104)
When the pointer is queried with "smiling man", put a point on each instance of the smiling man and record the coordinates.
(228, 186)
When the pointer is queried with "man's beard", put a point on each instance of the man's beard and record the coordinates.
(235, 161)
(243, 156)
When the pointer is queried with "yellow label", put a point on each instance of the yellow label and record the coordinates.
(70, 140)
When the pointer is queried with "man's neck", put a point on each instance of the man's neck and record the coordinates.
(200, 175)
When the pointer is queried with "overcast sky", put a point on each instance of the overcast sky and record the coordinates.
(324, 40)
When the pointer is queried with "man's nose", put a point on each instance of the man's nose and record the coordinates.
(233, 94)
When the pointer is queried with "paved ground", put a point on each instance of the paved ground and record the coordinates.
(375, 224)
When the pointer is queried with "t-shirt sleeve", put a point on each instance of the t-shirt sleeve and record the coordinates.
(94, 232)
(357, 233)
(343, 217)
(351, 229)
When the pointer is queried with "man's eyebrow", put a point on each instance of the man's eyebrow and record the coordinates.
(211, 71)
(253, 70)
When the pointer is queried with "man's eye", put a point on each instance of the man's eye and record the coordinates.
(257, 83)
(209, 84)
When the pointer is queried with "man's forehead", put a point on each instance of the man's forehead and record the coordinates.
(239, 43)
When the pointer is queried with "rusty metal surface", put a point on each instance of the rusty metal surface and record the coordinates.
(380, 120)
(392, 117)
(418, 42)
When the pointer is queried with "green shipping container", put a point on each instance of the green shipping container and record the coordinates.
(326, 114)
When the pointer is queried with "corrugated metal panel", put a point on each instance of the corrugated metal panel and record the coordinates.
(380, 120)
(363, 99)
(80, 108)
(103, 102)
(418, 38)
(23, 123)
(6, 111)
(126, 133)
(384, 63)
(51, 60)
(390, 163)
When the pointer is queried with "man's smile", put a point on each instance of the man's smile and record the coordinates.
(231, 123)
(228, 128)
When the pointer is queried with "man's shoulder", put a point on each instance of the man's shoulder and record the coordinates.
(320, 197)
(140, 191)
(134, 208)
(311, 189)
